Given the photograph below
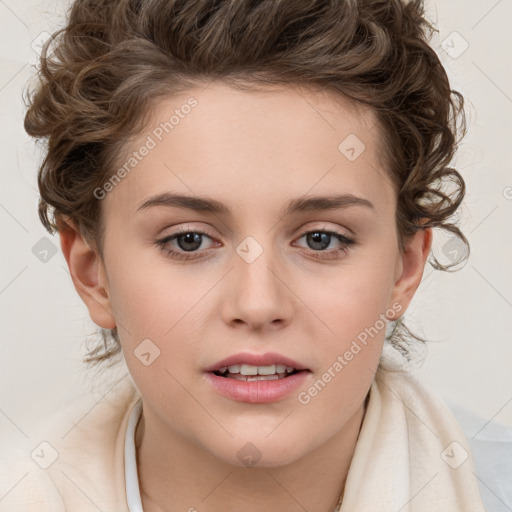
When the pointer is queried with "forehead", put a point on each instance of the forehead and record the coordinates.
(246, 146)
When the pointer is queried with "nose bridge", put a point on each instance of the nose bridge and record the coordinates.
(258, 294)
(255, 265)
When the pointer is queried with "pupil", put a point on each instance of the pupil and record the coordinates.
(190, 238)
(316, 238)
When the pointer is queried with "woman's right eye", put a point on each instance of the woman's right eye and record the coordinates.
(188, 242)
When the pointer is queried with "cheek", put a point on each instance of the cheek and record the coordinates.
(148, 295)
(352, 308)
(156, 301)
(352, 298)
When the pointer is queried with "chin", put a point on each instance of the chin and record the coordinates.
(258, 453)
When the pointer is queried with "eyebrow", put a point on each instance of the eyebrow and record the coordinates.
(205, 204)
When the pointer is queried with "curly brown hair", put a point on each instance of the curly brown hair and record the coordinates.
(100, 77)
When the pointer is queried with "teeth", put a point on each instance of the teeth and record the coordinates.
(250, 378)
(247, 369)
(264, 370)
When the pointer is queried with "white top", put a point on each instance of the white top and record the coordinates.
(491, 449)
(130, 459)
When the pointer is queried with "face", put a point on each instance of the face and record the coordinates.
(267, 270)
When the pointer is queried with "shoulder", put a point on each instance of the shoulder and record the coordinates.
(488, 443)
(77, 461)
(25, 487)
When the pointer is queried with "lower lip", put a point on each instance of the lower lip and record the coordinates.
(261, 391)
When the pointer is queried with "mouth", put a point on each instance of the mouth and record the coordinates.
(249, 373)
(244, 376)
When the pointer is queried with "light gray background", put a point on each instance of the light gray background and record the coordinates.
(467, 314)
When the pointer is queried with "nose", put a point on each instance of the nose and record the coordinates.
(256, 294)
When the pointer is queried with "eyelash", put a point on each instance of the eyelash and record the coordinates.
(345, 241)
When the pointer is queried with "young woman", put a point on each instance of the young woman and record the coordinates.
(245, 194)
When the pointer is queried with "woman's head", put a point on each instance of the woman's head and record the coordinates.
(217, 243)
(253, 104)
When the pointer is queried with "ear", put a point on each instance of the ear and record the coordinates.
(409, 269)
(87, 272)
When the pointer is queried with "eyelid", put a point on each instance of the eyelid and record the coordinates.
(298, 233)
(334, 229)
(189, 229)
(324, 226)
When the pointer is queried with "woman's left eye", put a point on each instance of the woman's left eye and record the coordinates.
(321, 239)
(190, 241)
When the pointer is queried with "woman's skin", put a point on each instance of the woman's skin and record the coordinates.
(255, 152)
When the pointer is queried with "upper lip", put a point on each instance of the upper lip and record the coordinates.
(267, 359)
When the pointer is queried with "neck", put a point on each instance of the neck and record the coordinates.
(174, 471)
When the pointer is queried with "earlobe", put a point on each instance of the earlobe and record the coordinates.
(410, 267)
(88, 274)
